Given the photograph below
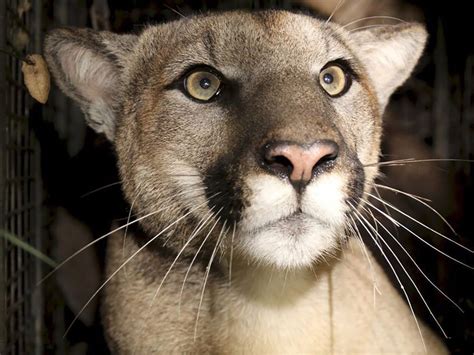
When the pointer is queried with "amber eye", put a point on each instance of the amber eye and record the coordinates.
(202, 85)
(334, 80)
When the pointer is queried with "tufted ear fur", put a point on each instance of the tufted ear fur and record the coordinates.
(88, 67)
(389, 54)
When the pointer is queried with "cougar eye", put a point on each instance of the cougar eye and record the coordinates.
(334, 80)
(202, 85)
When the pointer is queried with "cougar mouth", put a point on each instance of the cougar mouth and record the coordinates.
(292, 225)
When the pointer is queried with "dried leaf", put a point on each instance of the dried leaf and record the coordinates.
(36, 77)
(23, 7)
(20, 40)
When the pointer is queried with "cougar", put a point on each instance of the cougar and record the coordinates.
(247, 144)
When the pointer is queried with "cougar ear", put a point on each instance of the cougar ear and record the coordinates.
(389, 54)
(88, 67)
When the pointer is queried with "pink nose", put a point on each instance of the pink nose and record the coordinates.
(298, 162)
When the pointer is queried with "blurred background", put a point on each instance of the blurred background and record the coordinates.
(59, 186)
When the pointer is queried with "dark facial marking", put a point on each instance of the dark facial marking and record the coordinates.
(222, 178)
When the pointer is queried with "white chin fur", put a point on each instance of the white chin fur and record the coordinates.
(273, 233)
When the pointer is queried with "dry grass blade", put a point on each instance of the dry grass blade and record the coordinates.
(13, 239)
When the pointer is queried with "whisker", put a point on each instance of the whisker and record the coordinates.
(223, 248)
(95, 241)
(385, 207)
(338, 6)
(419, 199)
(187, 175)
(373, 18)
(127, 261)
(194, 259)
(416, 265)
(420, 238)
(412, 281)
(61, 264)
(359, 216)
(231, 254)
(376, 229)
(370, 26)
(375, 185)
(128, 221)
(283, 287)
(178, 194)
(208, 269)
(190, 239)
(167, 239)
(126, 228)
(364, 250)
(420, 223)
(175, 11)
(413, 160)
(100, 189)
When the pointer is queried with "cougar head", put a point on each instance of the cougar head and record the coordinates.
(257, 129)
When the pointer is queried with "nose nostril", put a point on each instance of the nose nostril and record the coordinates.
(327, 160)
(279, 164)
(323, 163)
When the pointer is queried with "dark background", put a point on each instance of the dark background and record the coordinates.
(432, 116)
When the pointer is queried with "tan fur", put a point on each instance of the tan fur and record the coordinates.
(334, 309)
(299, 283)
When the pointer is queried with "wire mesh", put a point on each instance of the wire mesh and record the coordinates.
(19, 185)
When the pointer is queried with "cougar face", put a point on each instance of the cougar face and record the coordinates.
(271, 151)
(266, 125)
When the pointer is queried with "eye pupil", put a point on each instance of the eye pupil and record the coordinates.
(328, 78)
(205, 83)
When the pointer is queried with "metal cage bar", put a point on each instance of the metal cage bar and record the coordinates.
(20, 185)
